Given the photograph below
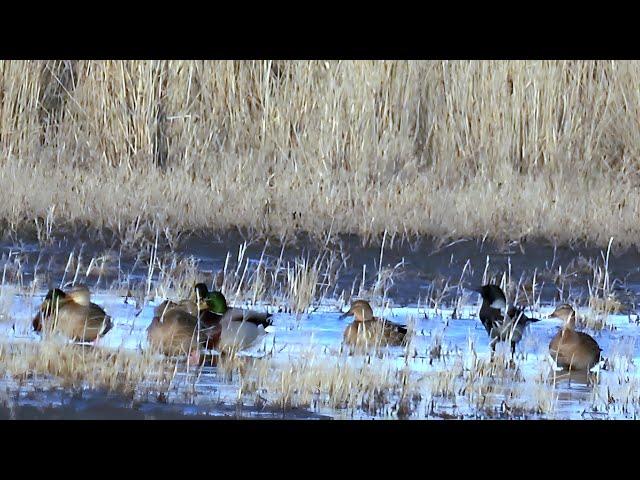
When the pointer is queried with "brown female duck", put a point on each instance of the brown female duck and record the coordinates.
(73, 315)
(367, 330)
(570, 349)
(175, 331)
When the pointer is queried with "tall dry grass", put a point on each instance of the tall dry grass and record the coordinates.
(77, 366)
(504, 148)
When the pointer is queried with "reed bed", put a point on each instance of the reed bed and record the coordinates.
(504, 149)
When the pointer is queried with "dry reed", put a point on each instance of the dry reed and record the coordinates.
(448, 148)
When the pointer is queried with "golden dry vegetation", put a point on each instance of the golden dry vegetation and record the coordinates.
(465, 148)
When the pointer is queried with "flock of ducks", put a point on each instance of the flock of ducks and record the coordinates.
(178, 328)
(205, 321)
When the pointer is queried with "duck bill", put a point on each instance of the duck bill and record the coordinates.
(345, 315)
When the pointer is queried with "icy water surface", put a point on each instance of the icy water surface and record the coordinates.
(448, 349)
(292, 338)
(417, 266)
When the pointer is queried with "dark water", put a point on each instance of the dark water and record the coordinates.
(102, 405)
(423, 266)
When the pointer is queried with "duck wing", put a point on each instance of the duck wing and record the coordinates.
(401, 329)
(250, 316)
(396, 333)
(589, 341)
(393, 327)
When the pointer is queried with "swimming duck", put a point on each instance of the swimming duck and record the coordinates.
(238, 328)
(501, 327)
(570, 349)
(73, 315)
(368, 330)
(174, 331)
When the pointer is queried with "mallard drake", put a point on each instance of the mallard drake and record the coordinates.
(73, 315)
(367, 330)
(238, 328)
(174, 331)
(501, 326)
(209, 312)
(570, 349)
(210, 325)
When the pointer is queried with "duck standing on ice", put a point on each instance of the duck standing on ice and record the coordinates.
(501, 323)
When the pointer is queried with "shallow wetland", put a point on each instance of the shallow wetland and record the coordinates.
(299, 369)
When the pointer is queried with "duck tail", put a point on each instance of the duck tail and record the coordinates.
(107, 325)
(518, 313)
(37, 323)
(265, 321)
(260, 319)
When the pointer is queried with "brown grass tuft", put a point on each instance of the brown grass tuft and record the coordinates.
(77, 366)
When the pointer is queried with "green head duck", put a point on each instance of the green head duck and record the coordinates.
(215, 300)
(217, 303)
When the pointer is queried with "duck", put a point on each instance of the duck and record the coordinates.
(238, 328)
(501, 323)
(174, 331)
(367, 330)
(72, 314)
(208, 315)
(572, 350)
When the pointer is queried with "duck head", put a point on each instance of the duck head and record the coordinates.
(566, 313)
(217, 303)
(493, 295)
(214, 301)
(361, 310)
(201, 291)
(80, 294)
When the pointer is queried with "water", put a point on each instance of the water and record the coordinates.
(447, 340)
(420, 265)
